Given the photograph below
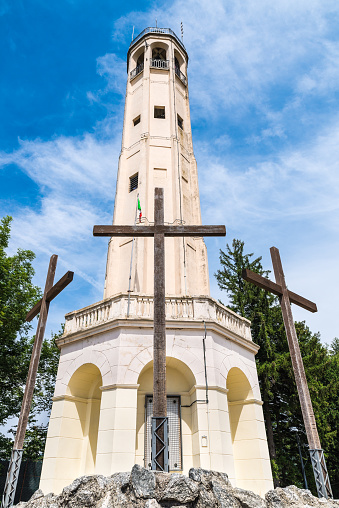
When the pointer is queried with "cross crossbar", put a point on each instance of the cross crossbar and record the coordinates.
(142, 231)
(277, 290)
(51, 294)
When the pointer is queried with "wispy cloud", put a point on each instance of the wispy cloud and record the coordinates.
(76, 177)
(298, 183)
(69, 166)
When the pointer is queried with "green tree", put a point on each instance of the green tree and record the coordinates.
(17, 295)
(281, 406)
(260, 308)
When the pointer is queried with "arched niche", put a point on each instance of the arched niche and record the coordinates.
(179, 377)
(82, 405)
(180, 381)
(179, 62)
(138, 57)
(159, 58)
(242, 417)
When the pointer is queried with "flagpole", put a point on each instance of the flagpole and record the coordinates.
(130, 267)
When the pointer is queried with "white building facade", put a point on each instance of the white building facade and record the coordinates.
(100, 420)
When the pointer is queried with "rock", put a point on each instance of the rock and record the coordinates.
(292, 496)
(121, 479)
(205, 477)
(224, 496)
(143, 482)
(84, 491)
(37, 495)
(148, 489)
(206, 499)
(38, 500)
(180, 489)
(152, 503)
(248, 499)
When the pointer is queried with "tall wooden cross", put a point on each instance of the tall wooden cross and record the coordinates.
(286, 297)
(159, 230)
(42, 306)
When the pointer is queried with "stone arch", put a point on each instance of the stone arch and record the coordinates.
(184, 355)
(138, 57)
(159, 53)
(96, 358)
(180, 377)
(236, 361)
(179, 61)
(180, 382)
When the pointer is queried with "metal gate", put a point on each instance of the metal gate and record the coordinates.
(174, 432)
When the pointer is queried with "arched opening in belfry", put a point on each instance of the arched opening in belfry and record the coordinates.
(179, 66)
(137, 62)
(178, 61)
(140, 61)
(242, 420)
(180, 383)
(158, 54)
(82, 413)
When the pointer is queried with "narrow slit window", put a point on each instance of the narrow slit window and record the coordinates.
(133, 182)
(159, 112)
(136, 120)
(180, 122)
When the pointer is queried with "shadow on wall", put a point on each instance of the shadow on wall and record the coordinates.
(84, 386)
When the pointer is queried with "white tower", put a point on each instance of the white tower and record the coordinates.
(157, 150)
(100, 421)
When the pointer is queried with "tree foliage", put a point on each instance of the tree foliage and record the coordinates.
(18, 294)
(281, 406)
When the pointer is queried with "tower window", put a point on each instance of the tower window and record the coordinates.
(180, 122)
(136, 120)
(133, 182)
(159, 111)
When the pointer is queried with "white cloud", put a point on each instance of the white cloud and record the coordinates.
(76, 177)
(114, 70)
(300, 183)
(78, 165)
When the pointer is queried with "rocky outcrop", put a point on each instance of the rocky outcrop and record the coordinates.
(146, 489)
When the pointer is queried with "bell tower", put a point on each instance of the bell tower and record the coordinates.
(103, 404)
(157, 151)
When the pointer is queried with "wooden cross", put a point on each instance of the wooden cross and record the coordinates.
(50, 292)
(286, 297)
(159, 231)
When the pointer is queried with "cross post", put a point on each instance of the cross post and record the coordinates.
(159, 231)
(50, 292)
(286, 297)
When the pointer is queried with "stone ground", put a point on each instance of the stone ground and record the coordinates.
(146, 489)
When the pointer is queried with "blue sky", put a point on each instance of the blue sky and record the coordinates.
(264, 93)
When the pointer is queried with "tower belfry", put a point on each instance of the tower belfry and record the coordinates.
(157, 151)
(103, 405)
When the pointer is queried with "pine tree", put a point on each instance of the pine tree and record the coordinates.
(260, 308)
(281, 406)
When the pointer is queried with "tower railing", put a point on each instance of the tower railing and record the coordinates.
(139, 68)
(156, 30)
(142, 307)
(159, 64)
